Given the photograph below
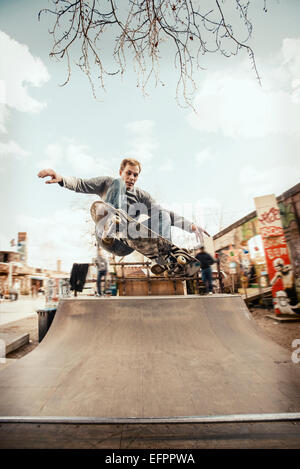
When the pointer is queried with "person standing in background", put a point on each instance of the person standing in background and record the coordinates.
(206, 261)
(102, 266)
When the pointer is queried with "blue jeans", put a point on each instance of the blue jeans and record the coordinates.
(207, 279)
(116, 196)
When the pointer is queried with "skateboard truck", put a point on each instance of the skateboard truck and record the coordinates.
(173, 264)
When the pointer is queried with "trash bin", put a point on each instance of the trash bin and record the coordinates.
(45, 319)
(112, 290)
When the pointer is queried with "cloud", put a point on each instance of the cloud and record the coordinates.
(291, 56)
(18, 69)
(3, 117)
(256, 183)
(75, 157)
(5, 243)
(205, 212)
(142, 142)
(12, 148)
(204, 156)
(234, 105)
(65, 235)
(167, 166)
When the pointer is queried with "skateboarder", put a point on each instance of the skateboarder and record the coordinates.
(122, 194)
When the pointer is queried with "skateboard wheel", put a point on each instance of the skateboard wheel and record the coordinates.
(181, 260)
(166, 274)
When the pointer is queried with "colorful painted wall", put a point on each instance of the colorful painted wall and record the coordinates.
(242, 252)
(290, 218)
(278, 259)
(244, 257)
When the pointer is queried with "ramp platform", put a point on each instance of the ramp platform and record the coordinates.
(147, 360)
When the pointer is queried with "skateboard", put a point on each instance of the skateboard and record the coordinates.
(169, 259)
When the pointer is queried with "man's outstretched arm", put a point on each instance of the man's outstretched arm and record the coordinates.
(97, 185)
(176, 220)
(196, 229)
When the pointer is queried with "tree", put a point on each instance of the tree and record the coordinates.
(141, 30)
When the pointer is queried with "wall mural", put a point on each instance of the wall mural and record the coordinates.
(290, 216)
(265, 251)
(277, 255)
(245, 257)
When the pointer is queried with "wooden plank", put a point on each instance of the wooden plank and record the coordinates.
(284, 317)
(13, 341)
(138, 286)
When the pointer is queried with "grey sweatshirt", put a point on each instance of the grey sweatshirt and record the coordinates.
(102, 263)
(100, 185)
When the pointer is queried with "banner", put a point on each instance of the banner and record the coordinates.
(276, 252)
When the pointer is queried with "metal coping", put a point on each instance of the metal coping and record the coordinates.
(208, 419)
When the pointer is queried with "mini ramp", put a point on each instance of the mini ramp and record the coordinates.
(147, 360)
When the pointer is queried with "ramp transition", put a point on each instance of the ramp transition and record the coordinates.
(151, 358)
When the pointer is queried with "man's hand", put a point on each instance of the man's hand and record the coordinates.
(49, 172)
(199, 230)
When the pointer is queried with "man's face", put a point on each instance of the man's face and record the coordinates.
(129, 175)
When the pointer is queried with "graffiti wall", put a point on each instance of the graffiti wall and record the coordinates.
(277, 254)
(254, 252)
(290, 218)
(244, 257)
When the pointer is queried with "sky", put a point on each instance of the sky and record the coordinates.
(241, 140)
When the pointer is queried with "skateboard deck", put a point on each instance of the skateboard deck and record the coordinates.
(169, 259)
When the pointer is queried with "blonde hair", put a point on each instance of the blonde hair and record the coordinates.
(131, 162)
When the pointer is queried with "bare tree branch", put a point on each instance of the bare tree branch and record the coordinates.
(141, 29)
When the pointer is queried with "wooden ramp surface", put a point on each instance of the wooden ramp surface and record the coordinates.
(151, 357)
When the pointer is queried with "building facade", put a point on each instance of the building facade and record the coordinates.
(17, 278)
(242, 251)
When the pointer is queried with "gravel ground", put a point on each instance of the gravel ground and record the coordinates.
(283, 333)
